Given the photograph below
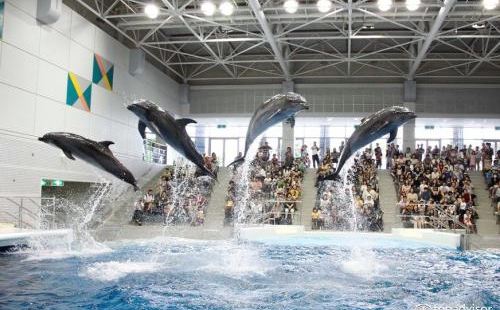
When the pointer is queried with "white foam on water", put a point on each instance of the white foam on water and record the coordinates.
(114, 270)
(238, 263)
(363, 264)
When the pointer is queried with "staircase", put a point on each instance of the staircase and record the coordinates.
(388, 200)
(486, 224)
(308, 197)
(214, 218)
(123, 209)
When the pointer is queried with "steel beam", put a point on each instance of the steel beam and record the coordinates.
(261, 18)
(433, 32)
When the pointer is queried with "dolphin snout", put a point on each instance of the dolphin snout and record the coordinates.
(41, 139)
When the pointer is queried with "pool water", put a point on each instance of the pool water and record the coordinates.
(280, 273)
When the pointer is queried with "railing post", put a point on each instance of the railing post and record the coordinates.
(21, 214)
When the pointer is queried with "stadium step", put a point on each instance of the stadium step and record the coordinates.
(388, 200)
(214, 218)
(486, 224)
(308, 197)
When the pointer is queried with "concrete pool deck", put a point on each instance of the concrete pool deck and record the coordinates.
(11, 236)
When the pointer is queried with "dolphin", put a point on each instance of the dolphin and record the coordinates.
(372, 128)
(170, 129)
(95, 153)
(273, 111)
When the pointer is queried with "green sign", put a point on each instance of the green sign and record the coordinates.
(221, 126)
(55, 183)
(429, 126)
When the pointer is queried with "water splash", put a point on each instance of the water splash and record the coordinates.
(342, 196)
(244, 212)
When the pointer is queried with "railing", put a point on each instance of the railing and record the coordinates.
(263, 216)
(436, 222)
(28, 212)
(154, 152)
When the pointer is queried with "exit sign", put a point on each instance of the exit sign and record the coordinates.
(429, 126)
(54, 183)
(221, 126)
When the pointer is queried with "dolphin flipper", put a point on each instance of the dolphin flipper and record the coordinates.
(69, 155)
(185, 121)
(106, 143)
(142, 129)
(392, 135)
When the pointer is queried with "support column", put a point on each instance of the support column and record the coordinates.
(184, 99)
(409, 101)
(288, 134)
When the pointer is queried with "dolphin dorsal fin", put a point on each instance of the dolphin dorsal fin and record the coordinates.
(363, 120)
(106, 143)
(185, 121)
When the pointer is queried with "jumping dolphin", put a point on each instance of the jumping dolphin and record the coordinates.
(171, 130)
(95, 153)
(373, 127)
(273, 111)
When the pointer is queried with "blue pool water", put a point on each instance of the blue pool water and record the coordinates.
(280, 273)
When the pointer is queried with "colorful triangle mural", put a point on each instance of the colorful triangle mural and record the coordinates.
(102, 72)
(79, 92)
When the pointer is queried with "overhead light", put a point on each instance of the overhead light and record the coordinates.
(151, 10)
(291, 6)
(324, 5)
(226, 8)
(490, 4)
(208, 8)
(368, 27)
(384, 5)
(412, 5)
(478, 26)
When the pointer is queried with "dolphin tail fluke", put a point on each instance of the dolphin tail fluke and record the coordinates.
(333, 176)
(208, 172)
(238, 161)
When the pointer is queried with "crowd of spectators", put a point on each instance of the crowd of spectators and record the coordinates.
(272, 192)
(492, 179)
(180, 197)
(433, 186)
(354, 205)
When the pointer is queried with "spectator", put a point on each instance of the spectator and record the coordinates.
(315, 156)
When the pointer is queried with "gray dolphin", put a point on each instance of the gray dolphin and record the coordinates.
(373, 127)
(95, 153)
(171, 130)
(273, 111)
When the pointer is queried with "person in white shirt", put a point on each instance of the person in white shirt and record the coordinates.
(315, 156)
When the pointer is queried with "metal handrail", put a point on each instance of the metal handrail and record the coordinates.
(37, 216)
(444, 216)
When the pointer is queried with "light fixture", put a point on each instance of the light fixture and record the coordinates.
(368, 27)
(324, 5)
(412, 5)
(151, 10)
(490, 4)
(226, 8)
(478, 26)
(208, 8)
(384, 5)
(291, 6)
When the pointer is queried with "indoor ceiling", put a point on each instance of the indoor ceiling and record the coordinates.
(440, 42)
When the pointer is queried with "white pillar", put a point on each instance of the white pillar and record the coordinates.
(288, 134)
(184, 99)
(409, 101)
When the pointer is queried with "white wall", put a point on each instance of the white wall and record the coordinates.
(34, 64)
